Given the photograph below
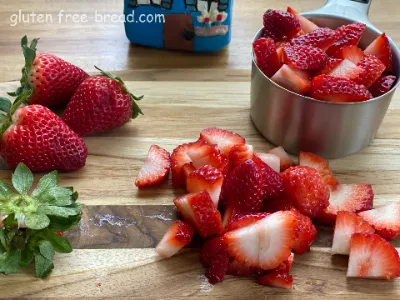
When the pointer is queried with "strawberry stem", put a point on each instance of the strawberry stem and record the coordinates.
(136, 110)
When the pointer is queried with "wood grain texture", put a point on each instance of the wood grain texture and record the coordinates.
(184, 93)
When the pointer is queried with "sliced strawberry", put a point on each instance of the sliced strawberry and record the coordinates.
(346, 69)
(346, 35)
(155, 168)
(239, 154)
(306, 25)
(320, 164)
(236, 268)
(374, 69)
(351, 53)
(199, 210)
(279, 279)
(346, 225)
(304, 57)
(266, 56)
(246, 220)
(385, 220)
(372, 257)
(199, 154)
(242, 188)
(285, 160)
(279, 51)
(187, 169)
(382, 85)
(347, 197)
(297, 81)
(206, 178)
(310, 194)
(280, 25)
(231, 214)
(286, 265)
(305, 233)
(271, 182)
(223, 139)
(380, 48)
(283, 202)
(331, 64)
(178, 236)
(215, 258)
(334, 89)
(264, 244)
(321, 38)
(271, 160)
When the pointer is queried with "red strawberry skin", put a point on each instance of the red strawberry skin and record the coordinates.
(321, 38)
(380, 48)
(304, 185)
(271, 181)
(346, 35)
(54, 81)
(279, 25)
(215, 258)
(382, 85)
(246, 220)
(330, 65)
(266, 56)
(283, 202)
(304, 57)
(41, 140)
(374, 69)
(99, 104)
(305, 233)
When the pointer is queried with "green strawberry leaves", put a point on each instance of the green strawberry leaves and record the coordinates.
(5, 105)
(136, 108)
(28, 223)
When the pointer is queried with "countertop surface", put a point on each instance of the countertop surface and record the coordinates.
(184, 93)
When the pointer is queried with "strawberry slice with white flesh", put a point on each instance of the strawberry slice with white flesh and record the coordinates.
(278, 279)
(372, 257)
(178, 236)
(223, 139)
(200, 211)
(346, 225)
(347, 197)
(294, 80)
(385, 219)
(347, 69)
(320, 164)
(285, 160)
(264, 244)
(272, 160)
(380, 48)
(155, 168)
(206, 178)
(351, 53)
(306, 25)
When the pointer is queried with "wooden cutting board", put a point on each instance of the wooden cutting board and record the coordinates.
(114, 254)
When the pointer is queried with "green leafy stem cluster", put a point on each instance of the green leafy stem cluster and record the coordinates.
(31, 223)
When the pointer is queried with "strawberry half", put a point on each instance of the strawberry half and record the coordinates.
(347, 197)
(346, 225)
(305, 233)
(380, 48)
(266, 56)
(215, 258)
(294, 80)
(199, 210)
(198, 153)
(278, 279)
(304, 185)
(385, 220)
(347, 69)
(246, 220)
(306, 24)
(372, 257)
(374, 69)
(239, 154)
(321, 38)
(320, 164)
(223, 139)
(285, 160)
(334, 89)
(351, 53)
(264, 244)
(279, 25)
(272, 160)
(271, 182)
(50, 80)
(382, 85)
(304, 57)
(346, 35)
(206, 178)
(155, 168)
(178, 236)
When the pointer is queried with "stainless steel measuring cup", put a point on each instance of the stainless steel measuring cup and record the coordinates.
(299, 123)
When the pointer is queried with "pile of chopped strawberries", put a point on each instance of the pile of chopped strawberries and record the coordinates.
(322, 63)
(255, 210)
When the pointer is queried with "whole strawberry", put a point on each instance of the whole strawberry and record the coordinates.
(101, 103)
(34, 135)
(51, 80)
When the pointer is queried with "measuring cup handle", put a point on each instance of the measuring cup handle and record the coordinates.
(352, 9)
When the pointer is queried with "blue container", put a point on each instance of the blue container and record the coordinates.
(190, 25)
